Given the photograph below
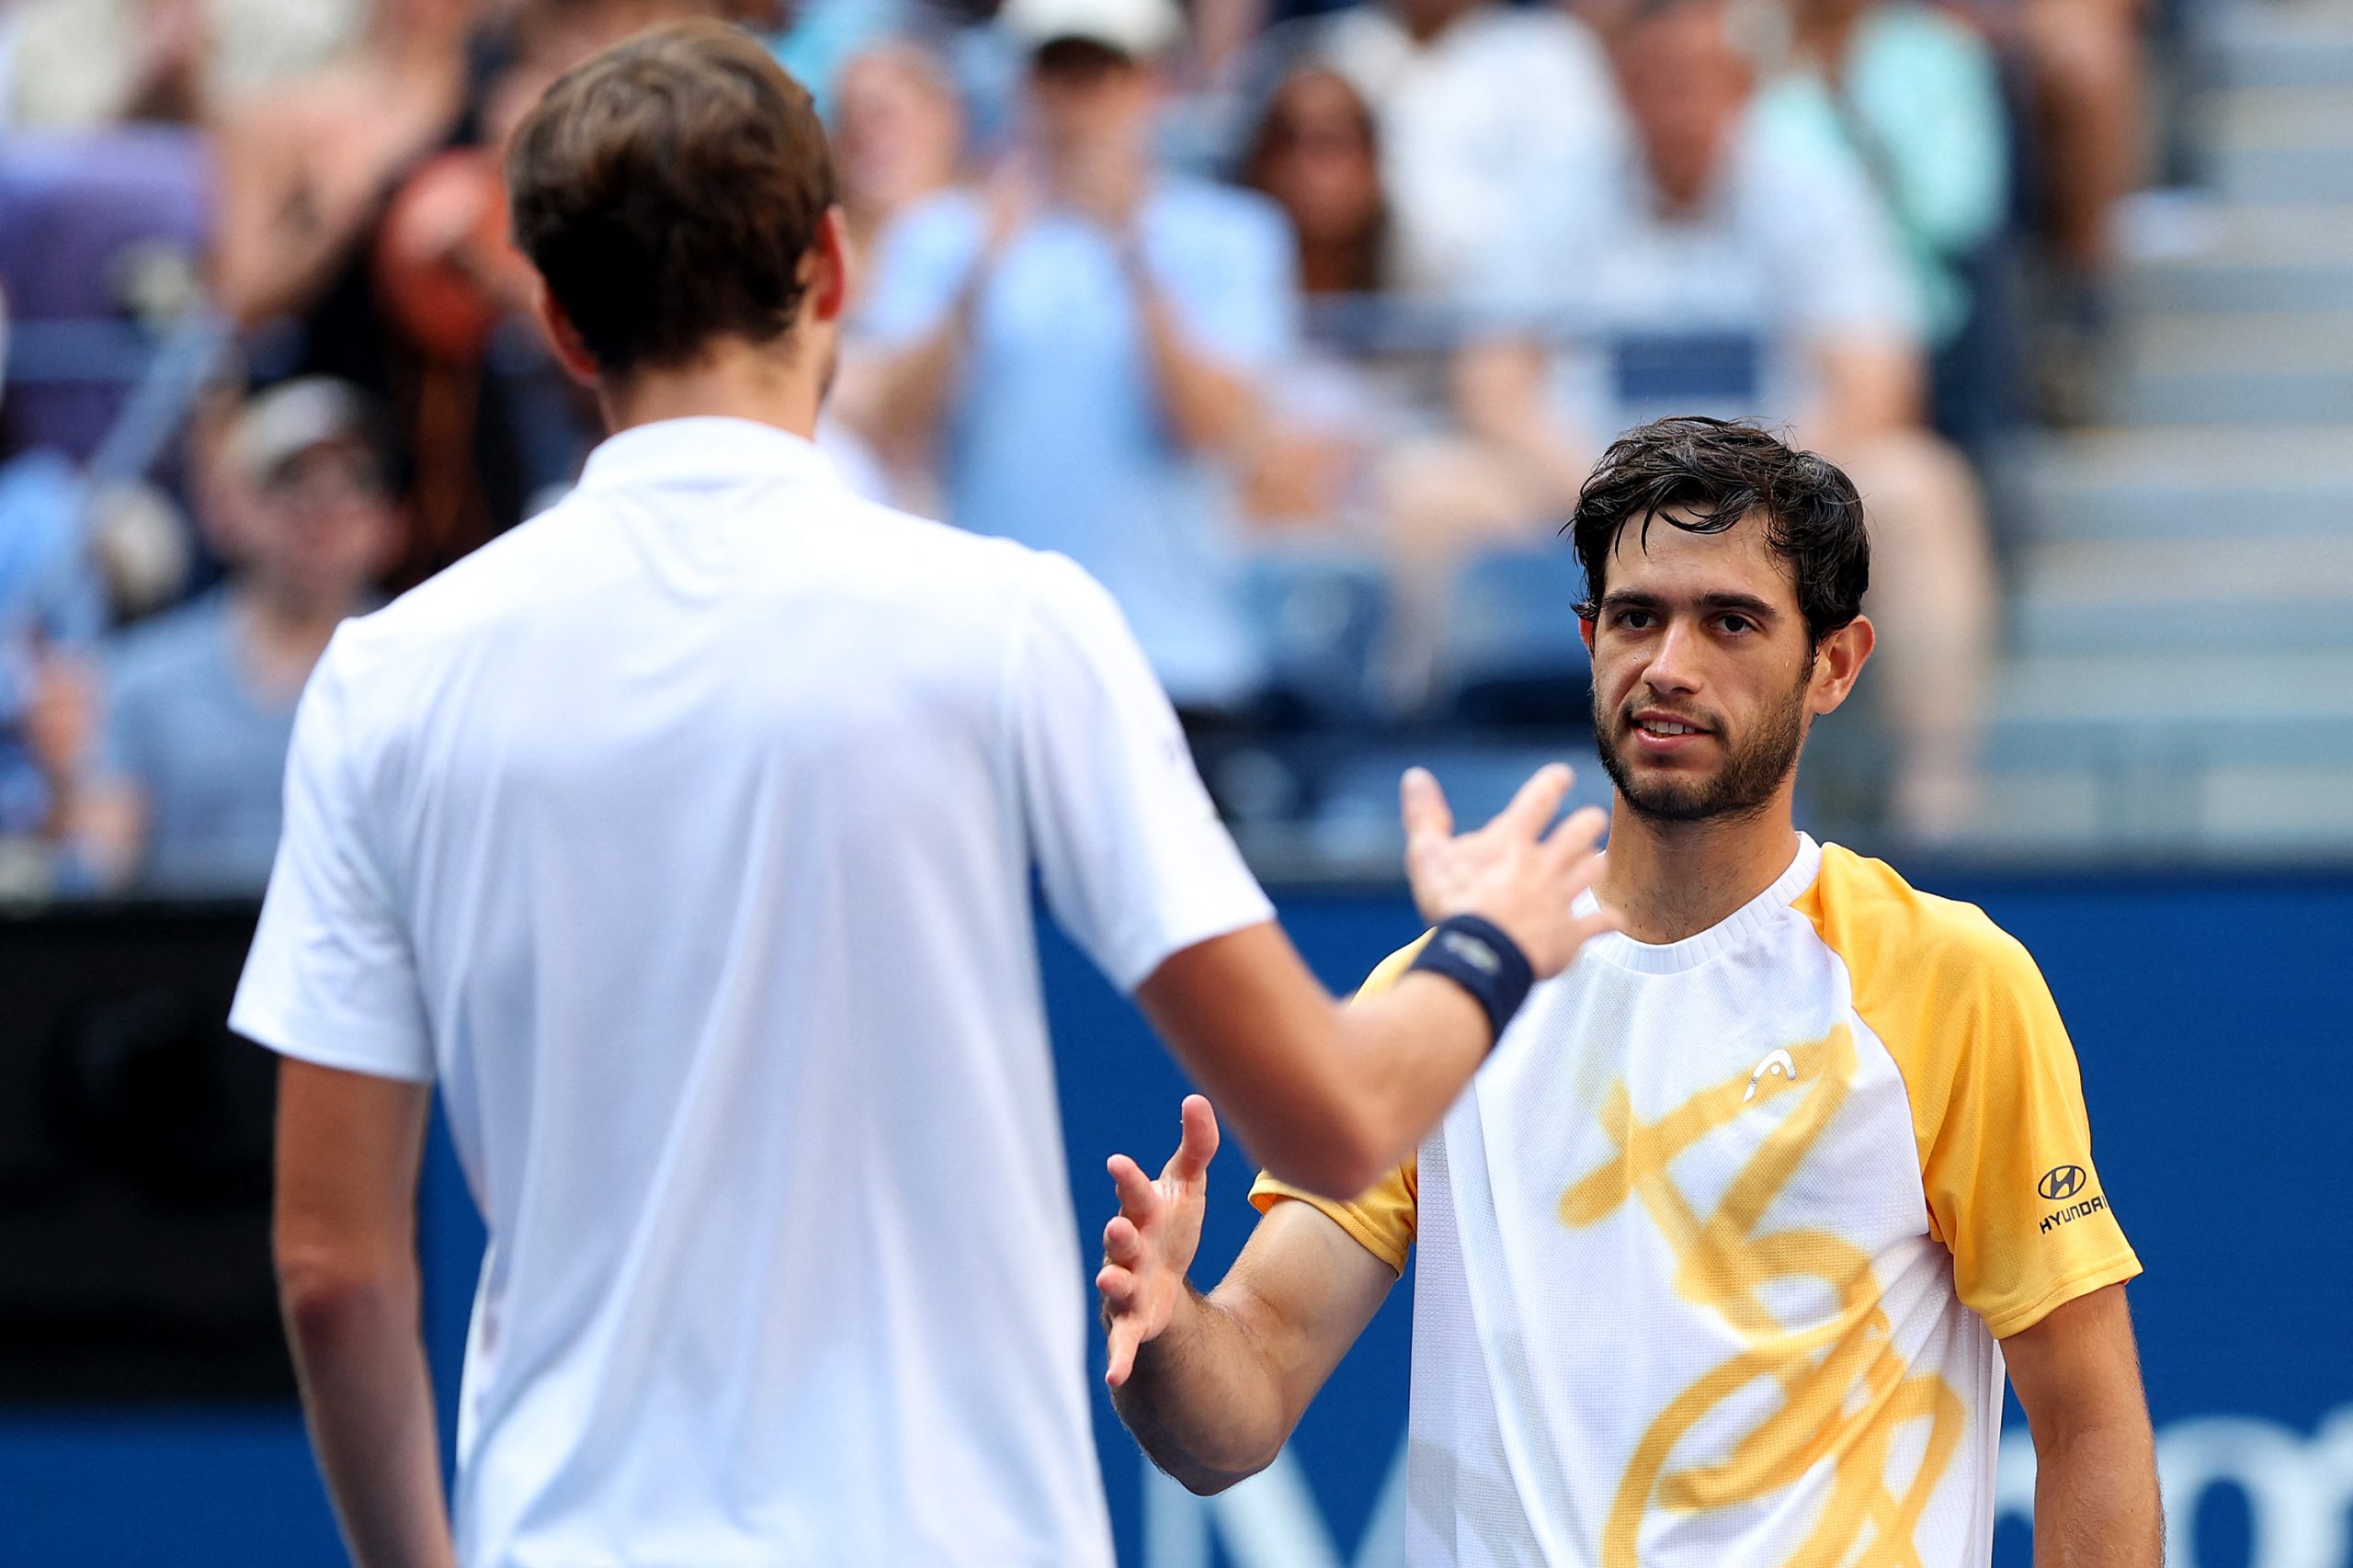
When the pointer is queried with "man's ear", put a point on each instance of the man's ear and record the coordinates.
(1839, 662)
(825, 269)
(1585, 635)
(564, 340)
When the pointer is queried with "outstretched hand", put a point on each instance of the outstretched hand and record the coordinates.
(1511, 871)
(1149, 1243)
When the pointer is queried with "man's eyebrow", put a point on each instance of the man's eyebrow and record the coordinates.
(1746, 604)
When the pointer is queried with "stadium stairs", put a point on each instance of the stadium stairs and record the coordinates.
(2179, 678)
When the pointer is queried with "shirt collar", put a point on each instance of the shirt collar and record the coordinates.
(703, 450)
(1723, 937)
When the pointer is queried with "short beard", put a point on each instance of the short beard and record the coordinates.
(1753, 770)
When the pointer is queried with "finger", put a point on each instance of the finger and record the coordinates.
(1577, 834)
(1531, 809)
(1139, 1200)
(1122, 1243)
(1429, 820)
(1197, 1146)
(1117, 1286)
(1119, 1346)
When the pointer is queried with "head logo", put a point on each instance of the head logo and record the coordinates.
(2061, 1183)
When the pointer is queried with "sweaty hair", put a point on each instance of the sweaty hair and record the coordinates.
(1703, 476)
(667, 190)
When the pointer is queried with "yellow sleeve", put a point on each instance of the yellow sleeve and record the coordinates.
(1998, 1102)
(1381, 1218)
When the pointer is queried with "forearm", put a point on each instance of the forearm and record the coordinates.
(1866, 388)
(1327, 1097)
(1338, 1098)
(898, 404)
(1207, 405)
(2095, 1499)
(368, 1400)
(1202, 1400)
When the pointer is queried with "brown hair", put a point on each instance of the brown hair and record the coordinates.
(1358, 265)
(1703, 476)
(667, 190)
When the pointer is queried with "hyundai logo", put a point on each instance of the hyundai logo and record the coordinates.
(2061, 1183)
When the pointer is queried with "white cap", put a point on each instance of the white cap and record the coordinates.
(1141, 29)
(283, 422)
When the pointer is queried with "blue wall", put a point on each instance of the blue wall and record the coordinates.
(2209, 1015)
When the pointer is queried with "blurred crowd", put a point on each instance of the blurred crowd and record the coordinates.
(1297, 325)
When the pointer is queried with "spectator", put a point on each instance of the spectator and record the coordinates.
(306, 171)
(1317, 156)
(1481, 108)
(183, 796)
(898, 135)
(2086, 73)
(1336, 407)
(51, 611)
(1719, 272)
(1914, 97)
(1083, 340)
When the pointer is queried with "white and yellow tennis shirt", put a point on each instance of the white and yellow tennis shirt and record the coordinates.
(1716, 1249)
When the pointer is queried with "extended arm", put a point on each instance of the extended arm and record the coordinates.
(345, 1235)
(2078, 1377)
(1213, 1385)
(1331, 1098)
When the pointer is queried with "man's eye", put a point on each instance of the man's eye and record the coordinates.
(1737, 623)
(1634, 620)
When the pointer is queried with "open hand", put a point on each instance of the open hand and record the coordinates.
(1149, 1243)
(1511, 871)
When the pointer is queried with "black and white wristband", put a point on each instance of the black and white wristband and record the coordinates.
(1477, 956)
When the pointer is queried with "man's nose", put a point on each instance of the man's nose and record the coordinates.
(1674, 664)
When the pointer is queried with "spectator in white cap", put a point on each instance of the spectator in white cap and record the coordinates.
(1079, 344)
(183, 795)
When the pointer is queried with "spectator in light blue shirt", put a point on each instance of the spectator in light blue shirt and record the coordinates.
(183, 796)
(1079, 343)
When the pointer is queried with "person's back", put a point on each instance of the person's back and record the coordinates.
(716, 714)
(682, 837)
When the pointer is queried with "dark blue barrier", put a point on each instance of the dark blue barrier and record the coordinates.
(2209, 1013)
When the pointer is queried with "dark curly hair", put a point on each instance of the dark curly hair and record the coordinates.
(1703, 476)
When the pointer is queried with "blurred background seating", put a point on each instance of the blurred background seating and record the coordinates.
(1298, 323)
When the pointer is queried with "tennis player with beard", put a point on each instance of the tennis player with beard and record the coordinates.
(684, 837)
(1726, 1250)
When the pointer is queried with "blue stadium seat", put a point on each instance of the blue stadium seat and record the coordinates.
(1322, 615)
(1511, 655)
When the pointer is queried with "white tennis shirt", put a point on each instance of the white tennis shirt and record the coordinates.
(684, 836)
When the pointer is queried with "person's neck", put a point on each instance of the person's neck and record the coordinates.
(1668, 880)
(767, 383)
(283, 634)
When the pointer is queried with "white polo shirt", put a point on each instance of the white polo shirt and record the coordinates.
(684, 836)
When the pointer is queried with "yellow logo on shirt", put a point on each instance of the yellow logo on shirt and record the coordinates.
(1844, 1393)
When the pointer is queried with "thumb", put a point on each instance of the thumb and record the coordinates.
(1198, 1144)
(1423, 805)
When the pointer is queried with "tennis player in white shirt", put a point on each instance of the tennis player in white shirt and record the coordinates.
(683, 837)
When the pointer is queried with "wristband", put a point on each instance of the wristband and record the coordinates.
(1477, 956)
